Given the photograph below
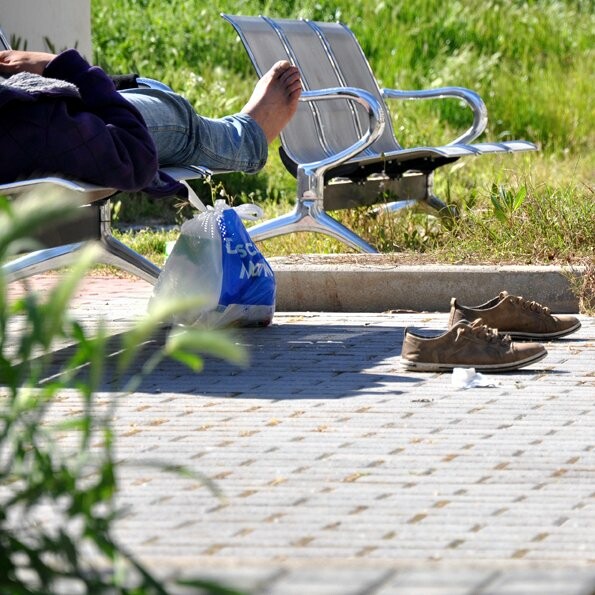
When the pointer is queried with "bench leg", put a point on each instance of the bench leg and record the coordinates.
(117, 254)
(40, 261)
(97, 226)
(309, 216)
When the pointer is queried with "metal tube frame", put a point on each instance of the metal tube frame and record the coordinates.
(309, 213)
(471, 98)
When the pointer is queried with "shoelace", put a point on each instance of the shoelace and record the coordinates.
(529, 305)
(484, 333)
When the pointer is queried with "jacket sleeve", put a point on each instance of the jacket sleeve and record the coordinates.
(105, 140)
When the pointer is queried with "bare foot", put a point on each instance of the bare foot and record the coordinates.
(275, 98)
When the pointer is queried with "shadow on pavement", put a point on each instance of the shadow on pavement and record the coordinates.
(291, 361)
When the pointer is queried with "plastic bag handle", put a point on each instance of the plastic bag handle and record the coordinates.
(249, 212)
(193, 198)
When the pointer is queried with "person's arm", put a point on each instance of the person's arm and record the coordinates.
(13, 61)
(106, 142)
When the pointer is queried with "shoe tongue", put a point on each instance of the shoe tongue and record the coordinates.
(464, 324)
(490, 331)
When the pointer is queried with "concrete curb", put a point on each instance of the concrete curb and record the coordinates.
(370, 283)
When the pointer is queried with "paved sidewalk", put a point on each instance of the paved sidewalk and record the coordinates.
(341, 473)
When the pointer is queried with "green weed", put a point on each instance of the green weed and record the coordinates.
(57, 507)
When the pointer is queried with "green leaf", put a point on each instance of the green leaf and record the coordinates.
(191, 360)
(519, 198)
(145, 328)
(216, 343)
(498, 210)
(34, 211)
(61, 295)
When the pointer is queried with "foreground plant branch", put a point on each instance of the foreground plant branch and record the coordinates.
(57, 506)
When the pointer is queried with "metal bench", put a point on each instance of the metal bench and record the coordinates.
(341, 145)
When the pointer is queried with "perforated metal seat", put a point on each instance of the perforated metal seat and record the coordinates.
(341, 145)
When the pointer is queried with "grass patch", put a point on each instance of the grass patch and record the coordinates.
(150, 243)
(531, 62)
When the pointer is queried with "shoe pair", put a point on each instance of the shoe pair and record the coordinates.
(481, 336)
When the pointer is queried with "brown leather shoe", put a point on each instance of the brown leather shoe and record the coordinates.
(517, 317)
(468, 345)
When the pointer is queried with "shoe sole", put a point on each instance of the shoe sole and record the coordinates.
(558, 335)
(444, 367)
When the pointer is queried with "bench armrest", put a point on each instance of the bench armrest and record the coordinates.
(471, 98)
(311, 175)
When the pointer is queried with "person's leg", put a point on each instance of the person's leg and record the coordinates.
(182, 137)
(232, 143)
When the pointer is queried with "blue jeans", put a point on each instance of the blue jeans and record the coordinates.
(182, 137)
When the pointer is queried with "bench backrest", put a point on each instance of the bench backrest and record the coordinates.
(4, 44)
(328, 55)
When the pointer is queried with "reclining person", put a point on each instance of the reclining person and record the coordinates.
(61, 116)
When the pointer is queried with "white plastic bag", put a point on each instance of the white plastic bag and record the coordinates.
(214, 259)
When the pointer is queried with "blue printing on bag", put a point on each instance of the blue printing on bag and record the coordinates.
(247, 276)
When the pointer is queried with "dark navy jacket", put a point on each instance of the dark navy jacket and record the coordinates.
(94, 135)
